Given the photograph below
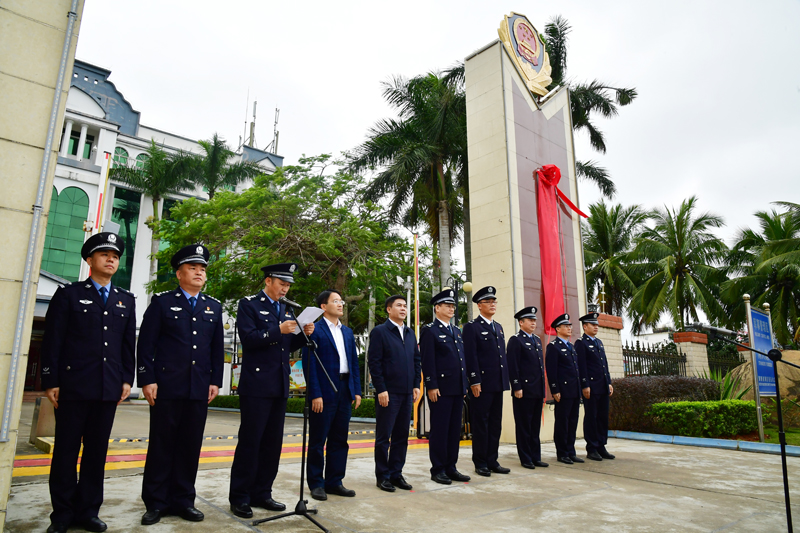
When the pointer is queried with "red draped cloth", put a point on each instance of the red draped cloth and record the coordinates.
(550, 243)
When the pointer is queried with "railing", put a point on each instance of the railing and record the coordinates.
(722, 363)
(646, 360)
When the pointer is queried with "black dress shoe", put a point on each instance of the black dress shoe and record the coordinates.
(566, 460)
(339, 490)
(528, 465)
(483, 471)
(576, 459)
(269, 504)
(242, 510)
(541, 464)
(401, 483)
(455, 475)
(441, 479)
(594, 456)
(385, 484)
(94, 524)
(57, 528)
(318, 493)
(151, 517)
(605, 455)
(191, 514)
(500, 470)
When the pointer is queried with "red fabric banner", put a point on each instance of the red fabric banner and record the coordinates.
(550, 245)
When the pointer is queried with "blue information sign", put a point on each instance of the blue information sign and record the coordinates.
(762, 341)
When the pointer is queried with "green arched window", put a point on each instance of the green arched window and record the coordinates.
(65, 235)
(140, 159)
(120, 157)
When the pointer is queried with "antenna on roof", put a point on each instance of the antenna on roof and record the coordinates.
(273, 147)
(252, 142)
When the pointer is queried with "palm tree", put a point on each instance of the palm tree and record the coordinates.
(423, 158)
(765, 273)
(586, 100)
(160, 174)
(215, 171)
(679, 254)
(608, 237)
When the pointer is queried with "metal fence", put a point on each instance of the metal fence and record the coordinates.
(722, 363)
(646, 360)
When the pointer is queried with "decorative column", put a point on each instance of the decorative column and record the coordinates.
(610, 327)
(65, 138)
(82, 141)
(694, 346)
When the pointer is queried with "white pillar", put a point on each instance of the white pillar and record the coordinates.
(65, 139)
(82, 141)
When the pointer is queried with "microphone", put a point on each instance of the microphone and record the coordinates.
(288, 302)
(712, 329)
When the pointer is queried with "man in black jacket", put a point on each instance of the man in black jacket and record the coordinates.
(596, 387)
(87, 370)
(445, 374)
(180, 362)
(395, 364)
(526, 372)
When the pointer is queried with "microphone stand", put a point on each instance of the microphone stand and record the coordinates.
(301, 509)
(775, 356)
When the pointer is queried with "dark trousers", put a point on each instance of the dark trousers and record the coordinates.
(89, 421)
(330, 425)
(255, 461)
(528, 421)
(566, 426)
(173, 455)
(487, 422)
(445, 436)
(391, 435)
(595, 422)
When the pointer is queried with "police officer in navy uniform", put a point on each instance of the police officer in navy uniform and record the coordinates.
(487, 370)
(87, 370)
(596, 388)
(526, 372)
(444, 369)
(563, 376)
(180, 362)
(266, 329)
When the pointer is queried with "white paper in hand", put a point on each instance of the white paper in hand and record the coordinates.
(309, 315)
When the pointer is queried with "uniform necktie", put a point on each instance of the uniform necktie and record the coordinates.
(450, 329)
(192, 300)
(277, 309)
(104, 295)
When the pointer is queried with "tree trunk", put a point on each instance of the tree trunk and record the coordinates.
(444, 242)
(155, 244)
(370, 325)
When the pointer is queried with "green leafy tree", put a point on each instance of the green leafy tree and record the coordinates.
(312, 214)
(681, 259)
(157, 175)
(215, 170)
(760, 265)
(608, 239)
(421, 157)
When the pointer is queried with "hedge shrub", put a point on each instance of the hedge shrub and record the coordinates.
(725, 418)
(228, 402)
(634, 396)
(295, 405)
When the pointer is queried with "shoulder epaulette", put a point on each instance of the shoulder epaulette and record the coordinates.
(211, 297)
(162, 293)
(249, 297)
(537, 336)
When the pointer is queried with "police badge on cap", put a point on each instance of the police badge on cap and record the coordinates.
(102, 241)
(484, 294)
(526, 312)
(591, 318)
(560, 321)
(284, 271)
(194, 253)
(444, 297)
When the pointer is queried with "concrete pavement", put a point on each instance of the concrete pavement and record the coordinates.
(649, 487)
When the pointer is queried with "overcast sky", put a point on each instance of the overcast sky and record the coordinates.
(718, 82)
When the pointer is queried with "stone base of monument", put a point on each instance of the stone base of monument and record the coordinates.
(788, 376)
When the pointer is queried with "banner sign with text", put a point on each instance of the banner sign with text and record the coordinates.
(761, 340)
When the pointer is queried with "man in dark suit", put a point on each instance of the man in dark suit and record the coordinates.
(487, 369)
(563, 375)
(329, 419)
(446, 383)
(267, 332)
(180, 363)
(396, 367)
(596, 387)
(526, 372)
(87, 370)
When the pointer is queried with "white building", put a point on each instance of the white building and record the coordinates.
(102, 129)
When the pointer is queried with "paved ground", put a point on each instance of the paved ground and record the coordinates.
(649, 487)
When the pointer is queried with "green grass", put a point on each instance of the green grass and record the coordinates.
(792, 435)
